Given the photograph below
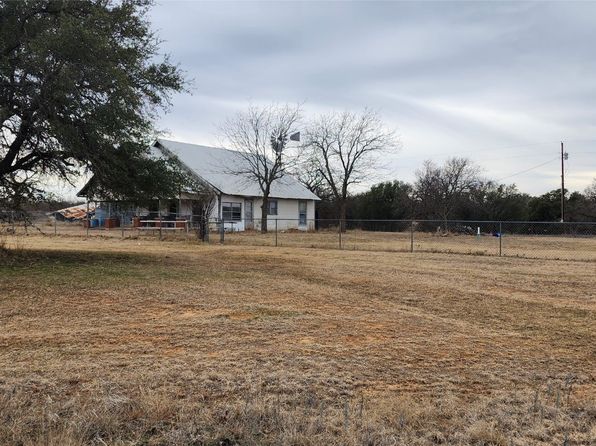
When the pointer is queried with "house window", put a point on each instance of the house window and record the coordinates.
(231, 211)
(272, 207)
(302, 213)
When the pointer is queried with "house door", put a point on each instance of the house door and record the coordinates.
(302, 213)
(248, 214)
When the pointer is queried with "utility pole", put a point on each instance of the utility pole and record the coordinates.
(564, 156)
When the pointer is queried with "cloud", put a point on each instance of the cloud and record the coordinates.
(500, 82)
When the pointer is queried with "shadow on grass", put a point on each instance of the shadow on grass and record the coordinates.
(62, 267)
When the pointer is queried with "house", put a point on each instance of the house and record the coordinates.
(238, 198)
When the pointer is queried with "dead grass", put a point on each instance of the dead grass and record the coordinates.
(139, 342)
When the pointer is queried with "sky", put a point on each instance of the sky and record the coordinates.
(500, 83)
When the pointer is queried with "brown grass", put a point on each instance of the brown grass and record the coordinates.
(139, 342)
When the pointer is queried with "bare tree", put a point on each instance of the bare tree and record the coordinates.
(202, 206)
(439, 189)
(260, 135)
(590, 191)
(589, 207)
(343, 148)
(309, 176)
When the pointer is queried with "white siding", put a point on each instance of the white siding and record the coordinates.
(287, 213)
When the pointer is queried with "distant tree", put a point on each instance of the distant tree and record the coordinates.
(391, 200)
(590, 191)
(81, 83)
(440, 190)
(344, 148)
(580, 207)
(489, 201)
(590, 194)
(260, 135)
(546, 207)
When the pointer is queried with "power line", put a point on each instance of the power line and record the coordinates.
(529, 169)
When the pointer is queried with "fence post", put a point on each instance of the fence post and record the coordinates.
(412, 236)
(221, 231)
(339, 232)
(87, 218)
(12, 221)
(55, 224)
(122, 225)
(276, 232)
(500, 239)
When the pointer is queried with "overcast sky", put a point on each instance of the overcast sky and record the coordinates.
(500, 83)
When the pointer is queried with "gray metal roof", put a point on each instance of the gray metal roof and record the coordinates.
(214, 165)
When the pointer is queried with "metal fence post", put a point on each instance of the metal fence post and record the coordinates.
(221, 231)
(500, 239)
(412, 236)
(339, 226)
(122, 225)
(55, 224)
(276, 232)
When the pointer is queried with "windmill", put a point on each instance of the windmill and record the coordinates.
(278, 142)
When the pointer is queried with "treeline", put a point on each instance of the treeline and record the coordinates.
(456, 190)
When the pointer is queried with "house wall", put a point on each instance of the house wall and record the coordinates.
(287, 214)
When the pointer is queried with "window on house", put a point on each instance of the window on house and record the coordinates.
(231, 211)
(272, 207)
(302, 213)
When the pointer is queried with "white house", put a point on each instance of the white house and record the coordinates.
(239, 198)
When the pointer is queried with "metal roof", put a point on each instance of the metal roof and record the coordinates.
(216, 166)
(78, 212)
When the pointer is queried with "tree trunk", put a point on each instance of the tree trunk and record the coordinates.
(264, 208)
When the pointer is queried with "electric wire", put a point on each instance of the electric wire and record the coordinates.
(529, 169)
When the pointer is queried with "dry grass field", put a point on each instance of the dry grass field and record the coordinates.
(140, 342)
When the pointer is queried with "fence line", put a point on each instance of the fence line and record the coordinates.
(548, 240)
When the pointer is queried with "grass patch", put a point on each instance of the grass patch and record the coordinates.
(169, 344)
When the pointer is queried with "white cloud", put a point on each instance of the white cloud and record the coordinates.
(501, 83)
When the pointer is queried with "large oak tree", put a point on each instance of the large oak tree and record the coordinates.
(80, 85)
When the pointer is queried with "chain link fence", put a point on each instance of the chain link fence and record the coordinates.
(542, 240)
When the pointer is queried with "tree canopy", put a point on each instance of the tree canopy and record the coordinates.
(81, 83)
(343, 148)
